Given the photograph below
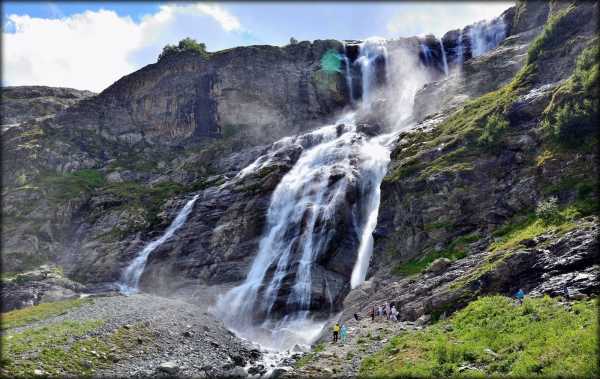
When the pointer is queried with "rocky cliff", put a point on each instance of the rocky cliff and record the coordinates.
(33, 102)
(259, 91)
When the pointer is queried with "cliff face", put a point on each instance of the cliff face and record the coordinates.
(262, 91)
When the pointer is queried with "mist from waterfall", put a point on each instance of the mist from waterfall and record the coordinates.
(130, 279)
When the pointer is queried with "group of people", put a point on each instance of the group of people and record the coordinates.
(340, 333)
(388, 310)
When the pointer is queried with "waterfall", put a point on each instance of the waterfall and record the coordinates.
(460, 51)
(486, 35)
(302, 217)
(130, 279)
(372, 50)
(379, 155)
(348, 76)
(426, 52)
(444, 60)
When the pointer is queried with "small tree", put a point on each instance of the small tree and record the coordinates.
(548, 212)
(185, 45)
(493, 129)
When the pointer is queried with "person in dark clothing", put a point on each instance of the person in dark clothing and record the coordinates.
(356, 317)
(372, 313)
(566, 293)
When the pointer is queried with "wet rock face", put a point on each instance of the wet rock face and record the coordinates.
(266, 91)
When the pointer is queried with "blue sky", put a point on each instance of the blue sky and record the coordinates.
(89, 45)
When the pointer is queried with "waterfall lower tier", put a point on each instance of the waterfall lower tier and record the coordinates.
(130, 279)
(318, 235)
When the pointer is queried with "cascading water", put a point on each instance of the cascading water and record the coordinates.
(460, 51)
(486, 35)
(426, 52)
(130, 279)
(372, 51)
(302, 214)
(444, 59)
(348, 76)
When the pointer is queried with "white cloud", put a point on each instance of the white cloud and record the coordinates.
(91, 50)
(439, 17)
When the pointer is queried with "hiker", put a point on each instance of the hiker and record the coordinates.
(566, 293)
(372, 313)
(336, 332)
(379, 310)
(356, 317)
(344, 333)
(394, 316)
(387, 310)
(520, 295)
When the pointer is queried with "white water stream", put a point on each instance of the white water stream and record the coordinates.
(130, 279)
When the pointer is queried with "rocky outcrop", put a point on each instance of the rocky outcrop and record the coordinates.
(42, 285)
(543, 266)
(34, 102)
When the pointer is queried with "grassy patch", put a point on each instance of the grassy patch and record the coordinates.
(73, 185)
(150, 199)
(457, 249)
(307, 358)
(532, 225)
(68, 348)
(39, 312)
(492, 336)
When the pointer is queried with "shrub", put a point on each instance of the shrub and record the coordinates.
(548, 211)
(185, 45)
(493, 129)
(572, 115)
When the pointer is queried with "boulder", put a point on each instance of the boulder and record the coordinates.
(169, 367)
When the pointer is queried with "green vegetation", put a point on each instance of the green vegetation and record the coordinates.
(493, 336)
(20, 317)
(457, 249)
(477, 128)
(493, 129)
(547, 218)
(67, 348)
(72, 185)
(147, 198)
(572, 115)
(309, 357)
(185, 45)
(553, 34)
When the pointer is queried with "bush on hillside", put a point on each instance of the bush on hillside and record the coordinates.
(493, 129)
(572, 115)
(548, 211)
(185, 45)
